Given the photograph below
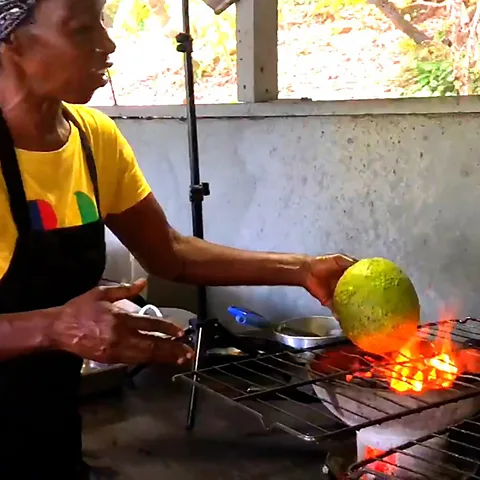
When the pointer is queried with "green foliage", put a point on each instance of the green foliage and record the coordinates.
(427, 70)
(215, 42)
(111, 8)
(475, 82)
(138, 16)
(407, 46)
(214, 35)
(434, 79)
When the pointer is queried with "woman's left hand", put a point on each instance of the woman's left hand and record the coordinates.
(323, 274)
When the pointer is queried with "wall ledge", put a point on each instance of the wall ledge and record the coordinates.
(303, 108)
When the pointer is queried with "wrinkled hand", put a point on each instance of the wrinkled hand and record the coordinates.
(323, 274)
(93, 328)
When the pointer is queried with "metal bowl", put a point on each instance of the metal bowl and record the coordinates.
(297, 333)
(307, 332)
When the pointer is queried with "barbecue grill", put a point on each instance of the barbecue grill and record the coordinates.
(330, 401)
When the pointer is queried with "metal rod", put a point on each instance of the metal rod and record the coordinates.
(198, 191)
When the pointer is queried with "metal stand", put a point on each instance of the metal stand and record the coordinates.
(198, 191)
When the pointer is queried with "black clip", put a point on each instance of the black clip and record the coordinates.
(185, 43)
(199, 192)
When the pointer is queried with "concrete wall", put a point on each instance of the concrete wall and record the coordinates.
(402, 186)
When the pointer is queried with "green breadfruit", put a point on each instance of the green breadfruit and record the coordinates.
(377, 305)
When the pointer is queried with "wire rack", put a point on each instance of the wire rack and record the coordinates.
(451, 453)
(279, 388)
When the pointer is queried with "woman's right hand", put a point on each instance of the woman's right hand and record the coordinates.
(93, 328)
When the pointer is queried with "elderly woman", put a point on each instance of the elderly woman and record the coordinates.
(66, 173)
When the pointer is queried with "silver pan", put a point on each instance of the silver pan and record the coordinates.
(297, 333)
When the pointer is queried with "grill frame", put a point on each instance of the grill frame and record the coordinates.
(262, 402)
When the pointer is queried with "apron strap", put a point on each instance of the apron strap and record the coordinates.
(13, 179)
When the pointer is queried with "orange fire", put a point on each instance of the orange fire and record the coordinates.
(387, 466)
(413, 372)
(421, 365)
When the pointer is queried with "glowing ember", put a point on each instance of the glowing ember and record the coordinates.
(421, 365)
(388, 465)
(420, 374)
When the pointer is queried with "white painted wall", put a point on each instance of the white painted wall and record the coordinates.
(326, 177)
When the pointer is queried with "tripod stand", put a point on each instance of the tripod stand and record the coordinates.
(198, 191)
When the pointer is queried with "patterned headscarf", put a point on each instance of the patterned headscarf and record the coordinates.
(12, 14)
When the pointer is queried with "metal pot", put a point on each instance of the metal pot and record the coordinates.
(297, 333)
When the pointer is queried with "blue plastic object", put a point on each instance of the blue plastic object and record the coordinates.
(246, 317)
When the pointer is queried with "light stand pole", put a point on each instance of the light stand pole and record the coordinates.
(198, 191)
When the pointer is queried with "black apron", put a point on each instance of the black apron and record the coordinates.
(40, 424)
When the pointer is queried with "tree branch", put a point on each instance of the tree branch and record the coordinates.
(394, 15)
(459, 36)
(474, 23)
(427, 4)
(472, 41)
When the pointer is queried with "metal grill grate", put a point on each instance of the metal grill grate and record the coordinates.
(454, 451)
(277, 388)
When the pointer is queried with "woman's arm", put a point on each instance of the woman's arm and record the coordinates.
(91, 327)
(23, 333)
(162, 251)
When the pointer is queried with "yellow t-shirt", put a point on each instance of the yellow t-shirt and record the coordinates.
(58, 187)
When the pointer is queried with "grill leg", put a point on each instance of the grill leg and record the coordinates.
(192, 405)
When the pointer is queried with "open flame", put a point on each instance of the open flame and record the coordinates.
(388, 465)
(421, 365)
(414, 371)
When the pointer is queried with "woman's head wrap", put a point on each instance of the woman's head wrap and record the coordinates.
(12, 14)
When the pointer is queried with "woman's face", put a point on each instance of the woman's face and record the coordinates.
(64, 52)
